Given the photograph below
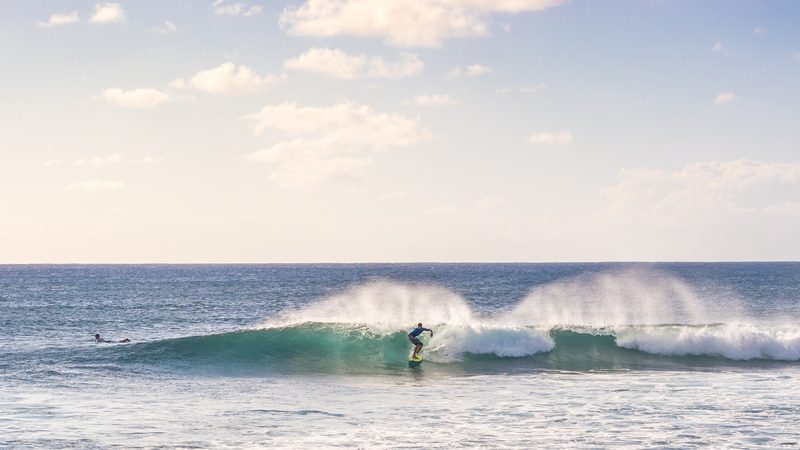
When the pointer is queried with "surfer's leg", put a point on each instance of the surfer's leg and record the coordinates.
(417, 346)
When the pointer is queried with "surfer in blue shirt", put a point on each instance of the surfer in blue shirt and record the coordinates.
(412, 336)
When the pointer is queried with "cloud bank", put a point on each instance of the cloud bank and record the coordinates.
(327, 144)
(229, 79)
(60, 19)
(336, 63)
(405, 23)
(701, 191)
(562, 138)
(146, 98)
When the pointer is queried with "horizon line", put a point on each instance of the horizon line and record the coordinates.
(342, 263)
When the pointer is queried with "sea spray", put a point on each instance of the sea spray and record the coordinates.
(384, 305)
(628, 297)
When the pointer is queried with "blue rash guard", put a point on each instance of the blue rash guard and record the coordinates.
(417, 331)
(412, 336)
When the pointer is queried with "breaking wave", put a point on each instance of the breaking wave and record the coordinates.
(622, 321)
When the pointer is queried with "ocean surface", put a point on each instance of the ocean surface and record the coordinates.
(639, 355)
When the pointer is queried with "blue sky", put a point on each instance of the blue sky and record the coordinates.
(340, 131)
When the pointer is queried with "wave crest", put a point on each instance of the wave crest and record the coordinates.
(732, 341)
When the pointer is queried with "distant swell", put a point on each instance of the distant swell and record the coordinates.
(342, 348)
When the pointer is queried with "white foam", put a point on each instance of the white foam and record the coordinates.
(733, 341)
(489, 339)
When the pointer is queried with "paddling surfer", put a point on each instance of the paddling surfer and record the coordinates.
(99, 340)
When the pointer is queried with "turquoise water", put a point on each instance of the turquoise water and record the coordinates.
(304, 356)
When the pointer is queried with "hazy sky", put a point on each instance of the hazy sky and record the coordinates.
(399, 130)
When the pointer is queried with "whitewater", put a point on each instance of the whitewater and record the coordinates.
(308, 356)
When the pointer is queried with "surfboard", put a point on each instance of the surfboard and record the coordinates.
(414, 362)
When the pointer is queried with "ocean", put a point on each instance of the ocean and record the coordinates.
(573, 355)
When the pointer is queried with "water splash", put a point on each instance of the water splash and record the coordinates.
(630, 297)
(386, 306)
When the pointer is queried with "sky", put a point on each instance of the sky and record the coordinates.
(293, 131)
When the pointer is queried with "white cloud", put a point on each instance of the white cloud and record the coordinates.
(503, 90)
(719, 47)
(796, 56)
(232, 80)
(108, 13)
(60, 19)
(96, 185)
(701, 191)
(146, 98)
(725, 97)
(758, 31)
(167, 28)
(538, 87)
(505, 27)
(98, 161)
(472, 71)
(336, 63)
(326, 144)
(562, 138)
(431, 100)
(407, 23)
(477, 70)
(52, 163)
(221, 8)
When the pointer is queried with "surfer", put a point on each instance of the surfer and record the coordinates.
(412, 336)
(99, 340)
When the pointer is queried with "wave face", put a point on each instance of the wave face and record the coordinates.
(357, 349)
